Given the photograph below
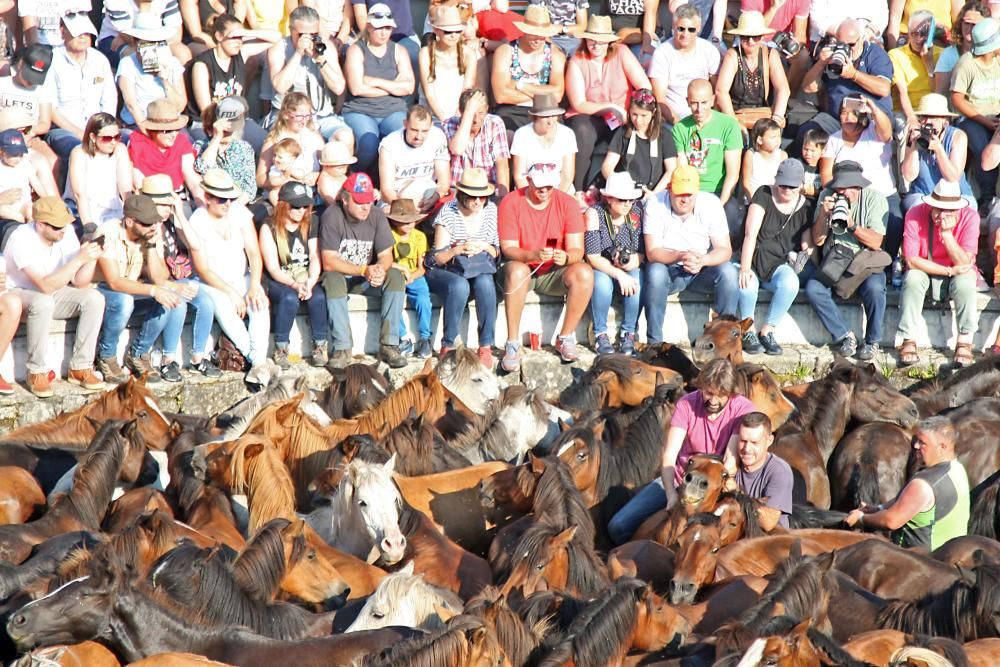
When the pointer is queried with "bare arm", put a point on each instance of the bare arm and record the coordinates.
(915, 497)
(387, 176)
(192, 22)
(779, 84)
(283, 71)
(200, 85)
(655, 253)
(192, 179)
(746, 174)
(732, 177)
(724, 82)
(895, 19)
(78, 180)
(357, 82)
(505, 90)
(672, 444)
(72, 271)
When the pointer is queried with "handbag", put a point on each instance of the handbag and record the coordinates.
(473, 266)
(835, 263)
(229, 358)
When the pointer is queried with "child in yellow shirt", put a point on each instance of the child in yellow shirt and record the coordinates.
(409, 248)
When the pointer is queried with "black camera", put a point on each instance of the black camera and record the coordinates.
(787, 45)
(823, 42)
(319, 46)
(927, 134)
(839, 215)
(840, 57)
(620, 255)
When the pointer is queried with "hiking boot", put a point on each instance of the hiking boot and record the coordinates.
(846, 346)
(339, 359)
(391, 355)
(206, 368)
(171, 372)
(511, 361)
(751, 344)
(7, 390)
(626, 343)
(867, 352)
(423, 349)
(602, 344)
(319, 355)
(770, 345)
(39, 384)
(141, 367)
(405, 346)
(83, 377)
(280, 357)
(485, 354)
(111, 370)
(566, 348)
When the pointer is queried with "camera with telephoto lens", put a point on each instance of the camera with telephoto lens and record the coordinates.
(839, 215)
(319, 46)
(840, 57)
(786, 44)
(927, 134)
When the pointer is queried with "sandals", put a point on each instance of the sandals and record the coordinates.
(963, 355)
(908, 353)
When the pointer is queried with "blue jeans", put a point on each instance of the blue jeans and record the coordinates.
(783, 283)
(285, 306)
(661, 281)
(204, 314)
(872, 293)
(979, 138)
(118, 308)
(249, 337)
(454, 291)
(605, 289)
(648, 501)
(368, 132)
(62, 142)
(418, 297)
(337, 286)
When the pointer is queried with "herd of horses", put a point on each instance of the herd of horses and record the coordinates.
(452, 522)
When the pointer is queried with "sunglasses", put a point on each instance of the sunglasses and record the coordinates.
(51, 226)
(381, 16)
(789, 187)
(164, 131)
(221, 200)
(74, 14)
(295, 208)
(144, 224)
(681, 28)
(108, 138)
(451, 32)
(751, 38)
(643, 96)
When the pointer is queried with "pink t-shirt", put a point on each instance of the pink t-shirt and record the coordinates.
(915, 230)
(784, 18)
(704, 435)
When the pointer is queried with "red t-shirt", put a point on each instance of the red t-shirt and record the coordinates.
(704, 435)
(148, 158)
(916, 226)
(533, 228)
(784, 18)
(498, 26)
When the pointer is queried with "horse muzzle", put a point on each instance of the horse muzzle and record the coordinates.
(337, 601)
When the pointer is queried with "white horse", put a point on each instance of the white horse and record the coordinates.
(406, 599)
(362, 518)
(465, 376)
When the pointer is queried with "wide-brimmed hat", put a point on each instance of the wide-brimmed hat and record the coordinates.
(599, 29)
(537, 22)
(336, 154)
(380, 16)
(946, 195)
(985, 37)
(446, 17)
(163, 115)
(148, 27)
(475, 182)
(621, 186)
(158, 187)
(751, 24)
(545, 104)
(219, 183)
(404, 211)
(933, 104)
(848, 174)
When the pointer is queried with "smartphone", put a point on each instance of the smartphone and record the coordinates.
(552, 243)
(99, 240)
(930, 33)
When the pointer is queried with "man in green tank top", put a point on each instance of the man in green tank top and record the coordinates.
(933, 507)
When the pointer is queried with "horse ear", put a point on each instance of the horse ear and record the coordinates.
(536, 463)
(566, 536)
(746, 323)
(966, 575)
(799, 631)
(253, 449)
(297, 528)
(427, 367)
(390, 465)
(175, 429)
(619, 568)
(564, 425)
(350, 449)
(711, 315)
(768, 518)
(93, 422)
(339, 374)
(285, 411)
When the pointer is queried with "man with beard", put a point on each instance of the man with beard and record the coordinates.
(413, 162)
(478, 139)
(705, 422)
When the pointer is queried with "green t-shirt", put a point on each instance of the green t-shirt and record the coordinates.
(979, 83)
(871, 211)
(704, 148)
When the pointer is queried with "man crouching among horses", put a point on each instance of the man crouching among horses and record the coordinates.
(705, 422)
(933, 507)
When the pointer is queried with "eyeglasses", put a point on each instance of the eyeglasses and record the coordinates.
(164, 131)
(51, 226)
(300, 116)
(74, 14)
(681, 28)
(451, 32)
(108, 138)
(144, 224)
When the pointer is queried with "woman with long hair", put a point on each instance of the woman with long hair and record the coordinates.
(289, 246)
(295, 121)
(447, 65)
(961, 42)
(99, 198)
(641, 147)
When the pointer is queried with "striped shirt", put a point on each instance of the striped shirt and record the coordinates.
(118, 15)
(452, 220)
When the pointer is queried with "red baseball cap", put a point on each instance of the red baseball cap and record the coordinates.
(360, 187)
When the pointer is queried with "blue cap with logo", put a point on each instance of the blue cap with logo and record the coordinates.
(12, 142)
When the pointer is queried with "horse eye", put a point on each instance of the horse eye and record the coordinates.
(715, 550)
(477, 379)
(142, 414)
(540, 567)
(311, 555)
(379, 615)
(735, 333)
(362, 503)
(581, 456)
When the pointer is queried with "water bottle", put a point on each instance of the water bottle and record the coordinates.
(897, 273)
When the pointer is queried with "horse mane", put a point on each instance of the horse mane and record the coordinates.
(556, 608)
(797, 585)
(638, 462)
(94, 480)
(703, 519)
(487, 433)
(243, 414)
(518, 638)
(420, 594)
(156, 525)
(420, 447)
(423, 393)
(558, 502)
(984, 513)
(587, 574)
(831, 651)
(458, 366)
(748, 508)
(814, 411)
(975, 381)
(265, 479)
(259, 567)
(446, 647)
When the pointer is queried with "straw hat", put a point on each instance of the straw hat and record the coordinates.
(545, 104)
(751, 24)
(447, 17)
(336, 154)
(933, 104)
(475, 182)
(621, 186)
(404, 211)
(217, 182)
(162, 115)
(148, 27)
(158, 186)
(599, 29)
(947, 195)
(537, 22)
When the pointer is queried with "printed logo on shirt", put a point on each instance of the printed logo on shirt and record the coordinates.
(356, 252)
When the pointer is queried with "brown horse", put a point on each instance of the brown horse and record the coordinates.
(697, 552)
(968, 551)
(20, 495)
(128, 401)
(85, 654)
(355, 389)
(877, 646)
(760, 386)
(699, 491)
(616, 380)
(131, 504)
(645, 559)
(722, 338)
(547, 558)
(507, 495)
(983, 652)
(761, 556)
(890, 571)
(519, 639)
(869, 466)
(788, 644)
(465, 641)
(668, 355)
(177, 660)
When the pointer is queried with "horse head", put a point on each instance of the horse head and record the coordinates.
(697, 554)
(368, 491)
(462, 374)
(873, 398)
(722, 338)
(702, 483)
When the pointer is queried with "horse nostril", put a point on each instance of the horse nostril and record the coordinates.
(20, 620)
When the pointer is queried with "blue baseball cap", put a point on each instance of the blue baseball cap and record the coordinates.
(12, 142)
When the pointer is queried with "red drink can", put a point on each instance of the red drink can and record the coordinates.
(535, 340)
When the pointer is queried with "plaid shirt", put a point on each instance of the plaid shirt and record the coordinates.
(487, 147)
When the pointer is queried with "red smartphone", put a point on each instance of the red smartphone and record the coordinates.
(552, 243)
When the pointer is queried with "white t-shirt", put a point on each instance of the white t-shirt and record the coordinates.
(25, 249)
(226, 254)
(667, 230)
(415, 166)
(679, 68)
(26, 99)
(17, 177)
(148, 87)
(47, 14)
(873, 154)
(529, 147)
(119, 14)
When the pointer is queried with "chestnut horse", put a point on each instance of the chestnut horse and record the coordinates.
(699, 490)
(547, 558)
(86, 654)
(722, 338)
(616, 380)
(20, 495)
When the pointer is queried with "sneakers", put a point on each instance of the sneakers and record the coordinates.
(423, 349)
(339, 359)
(83, 378)
(566, 348)
(111, 370)
(511, 361)
(405, 346)
(207, 368)
(392, 356)
(7, 390)
(602, 345)
(141, 367)
(280, 357)
(485, 355)
(626, 343)
(846, 346)
(751, 344)
(40, 385)
(171, 372)
(319, 355)
(770, 345)
(867, 351)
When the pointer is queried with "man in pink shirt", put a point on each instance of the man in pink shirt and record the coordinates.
(940, 240)
(706, 421)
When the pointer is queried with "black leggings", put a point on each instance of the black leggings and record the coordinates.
(592, 138)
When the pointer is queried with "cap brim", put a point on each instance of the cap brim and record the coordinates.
(383, 23)
(545, 113)
(484, 191)
(362, 197)
(788, 182)
(18, 151)
(338, 163)
(79, 25)
(405, 219)
(600, 37)
(298, 202)
(544, 180)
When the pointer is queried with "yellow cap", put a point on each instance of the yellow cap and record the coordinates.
(685, 180)
(52, 211)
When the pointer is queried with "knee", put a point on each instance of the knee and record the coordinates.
(516, 276)
(394, 281)
(345, 136)
(655, 274)
(11, 305)
(915, 280)
(335, 285)
(728, 276)
(816, 290)
(787, 281)
(579, 276)
(43, 305)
